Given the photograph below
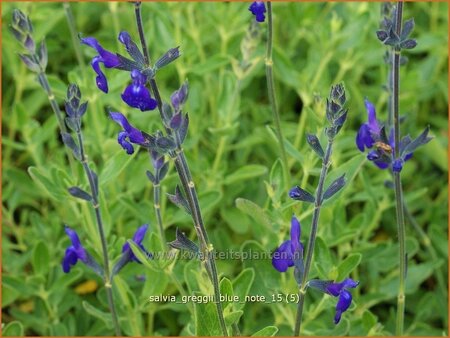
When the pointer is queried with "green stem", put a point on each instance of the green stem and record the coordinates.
(157, 207)
(271, 92)
(188, 186)
(100, 227)
(73, 34)
(397, 180)
(312, 237)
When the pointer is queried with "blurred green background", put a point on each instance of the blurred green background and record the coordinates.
(232, 152)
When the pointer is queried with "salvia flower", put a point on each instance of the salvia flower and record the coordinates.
(109, 60)
(138, 237)
(129, 134)
(137, 95)
(76, 252)
(258, 9)
(290, 252)
(127, 254)
(372, 135)
(339, 290)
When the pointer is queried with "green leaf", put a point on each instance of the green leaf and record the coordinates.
(255, 212)
(277, 179)
(245, 173)
(268, 331)
(40, 177)
(348, 265)
(226, 289)
(114, 166)
(41, 259)
(241, 286)
(9, 294)
(103, 316)
(213, 63)
(233, 317)
(322, 261)
(13, 329)
(206, 320)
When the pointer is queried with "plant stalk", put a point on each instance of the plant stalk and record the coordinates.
(271, 92)
(397, 180)
(73, 33)
(183, 171)
(312, 237)
(98, 218)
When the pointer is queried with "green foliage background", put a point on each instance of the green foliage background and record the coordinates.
(232, 153)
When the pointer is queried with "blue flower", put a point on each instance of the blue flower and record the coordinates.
(109, 60)
(74, 252)
(371, 135)
(138, 237)
(345, 297)
(137, 95)
(336, 290)
(290, 251)
(369, 132)
(258, 8)
(129, 133)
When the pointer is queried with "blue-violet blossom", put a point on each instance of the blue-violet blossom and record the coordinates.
(138, 237)
(137, 95)
(371, 135)
(74, 252)
(258, 8)
(290, 251)
(129, 132)
(336, 290)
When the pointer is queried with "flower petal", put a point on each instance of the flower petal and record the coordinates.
(258, 9)
(122, 140)
(364, 138)
(101, 81)
(282, 257)
(73, 237)
(70, 258)
(138, 96)
(135, 135)
(140, 233)
(372, 117)
(344, 302)
(295, 234)
(110, 60)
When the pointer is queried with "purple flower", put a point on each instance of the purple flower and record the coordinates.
(137, 95)
(138, 237)
(290, 251)
(109, 60)
(345, 297)
(372, 136)
(336, 290)
(368, 132)
(74, 252)
(258, 8)
(129, 134)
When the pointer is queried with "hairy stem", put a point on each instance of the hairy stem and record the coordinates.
(183, 171)
(42, 77)
(271, 92)
(397, 180)
(98, 218)
(312, 237)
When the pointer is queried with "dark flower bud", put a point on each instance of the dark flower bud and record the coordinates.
(175, 121)
(171, 55)
(29, 44)
(30, 63)
(43, 55)
(314, 143)
(338, 94)
(408, 27)
(300, 194)
(157, 160)
(22, 22)
(408, 44)
(167, 113)
(179, 97)
(17, 34)
(181, 242)
(382, 35)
